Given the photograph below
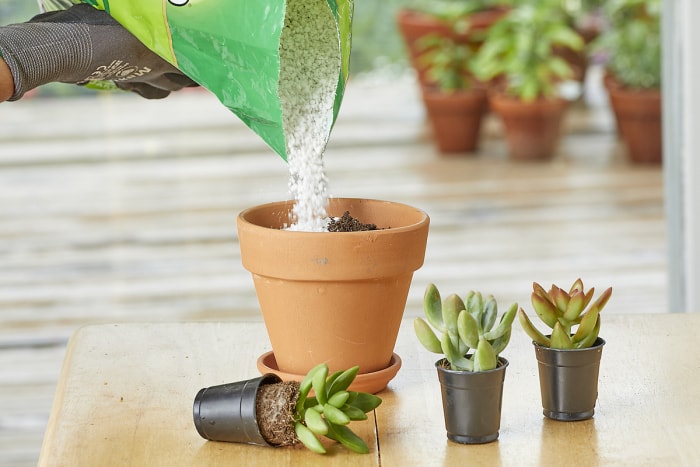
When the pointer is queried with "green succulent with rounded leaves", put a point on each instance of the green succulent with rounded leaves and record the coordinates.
(464, 325)
(562, 311)
(331, 408)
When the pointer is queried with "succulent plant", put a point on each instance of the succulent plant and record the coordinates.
(464, 325)
(561, 311)
(331, 409)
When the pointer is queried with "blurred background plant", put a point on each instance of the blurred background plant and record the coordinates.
(631, 43)
(448, 63)
(522, 47)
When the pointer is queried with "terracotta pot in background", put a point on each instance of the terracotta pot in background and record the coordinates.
(610, 82)
(456, 118)
(638, 117)
(334, 297)
(413, 25)
(532, 129)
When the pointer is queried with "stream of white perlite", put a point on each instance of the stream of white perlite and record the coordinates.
(310, 63)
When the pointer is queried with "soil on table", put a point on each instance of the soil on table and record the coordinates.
(274, 411)
(347, 223)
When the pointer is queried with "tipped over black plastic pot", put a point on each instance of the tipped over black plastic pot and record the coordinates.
(227, 412)
(569, 381)
(471, 402)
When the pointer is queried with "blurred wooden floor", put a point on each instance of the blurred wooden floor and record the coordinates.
(119, 209)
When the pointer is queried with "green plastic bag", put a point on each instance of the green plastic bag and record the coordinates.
(232, 48)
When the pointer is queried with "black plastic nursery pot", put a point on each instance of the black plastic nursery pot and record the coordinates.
(227, 412)
(569, 381)
(471, 402)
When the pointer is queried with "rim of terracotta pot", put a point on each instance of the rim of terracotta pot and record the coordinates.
(637, 99)
(475, 93)
(372, 382)
(500, 101)
(268, 250)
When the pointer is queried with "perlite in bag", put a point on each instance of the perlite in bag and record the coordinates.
(280, 66)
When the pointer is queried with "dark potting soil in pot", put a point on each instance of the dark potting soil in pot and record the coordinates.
(274, 410)
(347, 223)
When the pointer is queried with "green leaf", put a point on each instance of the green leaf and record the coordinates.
(310, 402)
(560, 68)
(537, 289)
(353, 412)
(560, 338)
(577, 285)
(315, 422)
(457, 360)
(588, 324)
(505, 324)
(484, 358)
(364, 401)
(545, 310)
(531, 330)
(319, 384)
(490, 313)
(561, 298)
(588, 298)
(590, 339)
(347, 438)
(432, 307)
(566, 37)
(475, 305)
(339, 399)
(529, 90)
(330, 380)
(308, 438)
(342, 381)
(305, 386)
(575, 306)
(450, 312)
(468, 330)
(603, 299)
(500, 343)
(335, 415)
(426, 336)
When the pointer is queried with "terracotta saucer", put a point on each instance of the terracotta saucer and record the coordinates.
(365, 382)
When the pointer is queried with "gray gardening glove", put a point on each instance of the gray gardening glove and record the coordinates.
(83, 44)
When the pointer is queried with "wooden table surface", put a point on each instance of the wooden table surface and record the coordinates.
(126, 391)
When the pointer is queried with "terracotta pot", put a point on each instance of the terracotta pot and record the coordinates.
(532, 129)
(334, 297)
(638, 116)
(609, 82)
(456, 118)
(413, 25)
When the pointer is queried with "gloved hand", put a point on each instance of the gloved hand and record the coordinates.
(83, 44)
